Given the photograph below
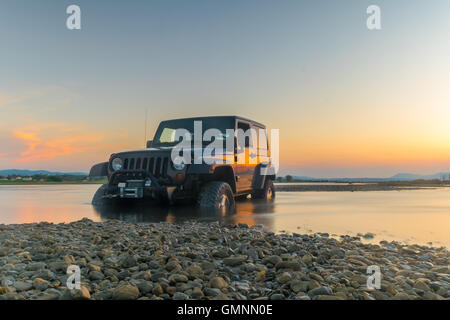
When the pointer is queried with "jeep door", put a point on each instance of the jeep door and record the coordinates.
(263, 156)
(246, 155)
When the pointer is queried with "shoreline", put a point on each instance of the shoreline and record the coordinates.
(370, 186)
(43, 183)
(286, 187)
(121, 260)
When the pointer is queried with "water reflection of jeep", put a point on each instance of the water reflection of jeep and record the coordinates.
(241, 167)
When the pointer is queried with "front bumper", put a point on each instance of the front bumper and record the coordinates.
(133, 189)
(137, 185)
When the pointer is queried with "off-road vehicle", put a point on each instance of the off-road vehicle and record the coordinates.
(214, 182)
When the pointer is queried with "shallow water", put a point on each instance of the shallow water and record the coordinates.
(413, 216)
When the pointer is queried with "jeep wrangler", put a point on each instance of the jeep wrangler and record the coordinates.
(240, 169)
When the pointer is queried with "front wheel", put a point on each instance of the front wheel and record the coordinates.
(267, 193)
(216, 195)
(98, 199)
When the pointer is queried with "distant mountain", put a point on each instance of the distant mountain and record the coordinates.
(409, 176)
(306, 178)
(406, 177)
(397, 177)
(20, 172)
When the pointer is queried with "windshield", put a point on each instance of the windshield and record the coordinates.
(165, 134)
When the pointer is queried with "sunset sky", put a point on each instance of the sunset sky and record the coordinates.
(349, 102)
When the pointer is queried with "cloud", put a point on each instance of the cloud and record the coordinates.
(59, 145)
(48, 141)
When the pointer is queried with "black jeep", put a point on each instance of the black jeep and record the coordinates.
(238, 166)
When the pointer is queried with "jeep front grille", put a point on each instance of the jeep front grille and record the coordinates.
(156, 165)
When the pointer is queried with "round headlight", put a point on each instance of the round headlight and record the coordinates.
(178, 166)
(117, 164)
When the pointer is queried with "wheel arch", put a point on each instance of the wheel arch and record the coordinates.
(259, 179)
(225, 173)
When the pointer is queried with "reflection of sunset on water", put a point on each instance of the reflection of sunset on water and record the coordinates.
(416, 216)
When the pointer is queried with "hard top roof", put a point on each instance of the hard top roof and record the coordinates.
(218, 117)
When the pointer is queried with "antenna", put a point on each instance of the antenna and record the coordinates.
(145, 130)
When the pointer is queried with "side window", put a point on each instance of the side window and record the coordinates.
(262, 144)
(244, 135)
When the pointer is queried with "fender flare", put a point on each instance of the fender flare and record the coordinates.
(259, 179)
(99, 170)
(230, 174)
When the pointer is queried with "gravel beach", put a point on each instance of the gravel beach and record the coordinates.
(121, 260)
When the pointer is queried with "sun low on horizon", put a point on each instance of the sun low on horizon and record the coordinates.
(348, 101)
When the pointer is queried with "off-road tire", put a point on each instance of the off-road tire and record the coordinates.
(98, 199)
(267, 193)
(212, 195)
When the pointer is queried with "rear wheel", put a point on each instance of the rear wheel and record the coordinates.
(216, 195)
(267, 193)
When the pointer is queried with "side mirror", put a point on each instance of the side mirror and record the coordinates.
(149, 143)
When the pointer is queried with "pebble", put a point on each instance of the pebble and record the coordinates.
(23, 286)
(320, 291)
(218, 282)
(77, 294)
(180, 296)
(126, 292)
(40, 284)
(96, 275)
(235, 260)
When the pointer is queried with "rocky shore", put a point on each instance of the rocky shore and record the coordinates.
(120, 260)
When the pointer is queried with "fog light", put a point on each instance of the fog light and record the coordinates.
(178, 166)
(180, 176)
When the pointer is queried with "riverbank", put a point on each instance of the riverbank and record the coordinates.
(284, 187)
(121, 260)
(353, 187)
(38, 183)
